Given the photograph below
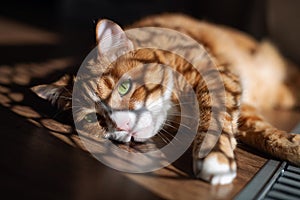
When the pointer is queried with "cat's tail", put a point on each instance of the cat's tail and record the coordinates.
(258, 133)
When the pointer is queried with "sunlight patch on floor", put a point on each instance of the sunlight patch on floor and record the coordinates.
(16, 33)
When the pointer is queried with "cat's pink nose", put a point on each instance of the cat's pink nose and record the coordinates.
(123, 126)
(124, 120)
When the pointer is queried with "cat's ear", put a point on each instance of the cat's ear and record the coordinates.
(111, 39)
(58, 93)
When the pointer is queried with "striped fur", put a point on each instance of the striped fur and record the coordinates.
(253, 75)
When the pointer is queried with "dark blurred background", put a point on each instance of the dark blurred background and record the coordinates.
(73, 19)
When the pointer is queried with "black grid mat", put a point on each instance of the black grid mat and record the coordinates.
(276, 180)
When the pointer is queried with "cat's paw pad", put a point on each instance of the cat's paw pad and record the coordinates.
(216, 168)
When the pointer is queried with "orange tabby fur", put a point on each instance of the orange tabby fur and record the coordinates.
(257, 64)
(254, 77)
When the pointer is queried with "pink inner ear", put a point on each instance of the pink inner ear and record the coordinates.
(111, 39)
(106, 28)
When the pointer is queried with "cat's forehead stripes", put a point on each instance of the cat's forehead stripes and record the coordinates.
(149, 81)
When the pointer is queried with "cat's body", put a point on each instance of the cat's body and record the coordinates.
(253, 75)
(259, 66)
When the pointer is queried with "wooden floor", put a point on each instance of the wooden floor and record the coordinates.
(42, 158)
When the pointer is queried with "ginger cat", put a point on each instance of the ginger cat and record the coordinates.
(253, 75)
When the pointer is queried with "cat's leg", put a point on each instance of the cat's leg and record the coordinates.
(213, 153)
(217, 166)
(256, 132)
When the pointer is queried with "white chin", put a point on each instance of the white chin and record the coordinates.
(139, 139)
(143, 134)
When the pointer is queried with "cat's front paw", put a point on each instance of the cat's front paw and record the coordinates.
(216, 168)
(120, 136)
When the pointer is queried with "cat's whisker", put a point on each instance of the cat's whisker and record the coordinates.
(170, 136)
(175, 122)
(172, 121)
(167, 132)
(162, 138)
(64, 97)
(176, 127)
(166, 124)
(155, 103)
(165, 139)
(180, 115)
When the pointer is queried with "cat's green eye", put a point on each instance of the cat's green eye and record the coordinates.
(124, 87)
(91, 118)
